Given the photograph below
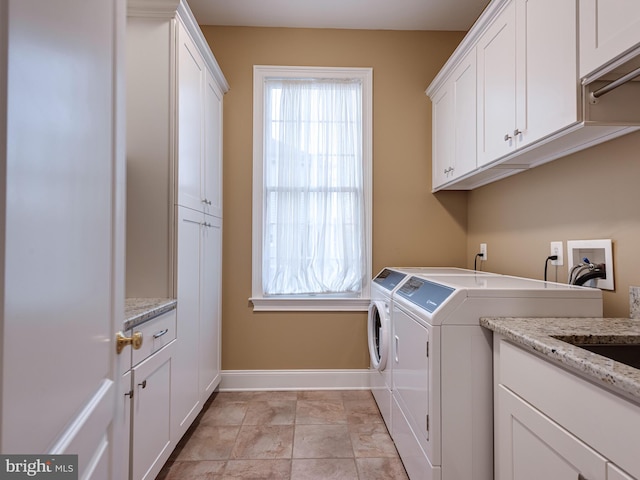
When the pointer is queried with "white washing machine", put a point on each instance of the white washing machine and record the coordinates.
(442, 393)
(379, 327)
(379, 337)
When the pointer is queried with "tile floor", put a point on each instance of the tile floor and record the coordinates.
(301, 435)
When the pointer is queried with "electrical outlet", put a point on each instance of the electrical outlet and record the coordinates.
(556, 248)
(483, 251)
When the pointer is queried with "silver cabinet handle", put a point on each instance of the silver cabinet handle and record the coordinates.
(507, 137)
(160, 333)
(206, 201)
(517, 132)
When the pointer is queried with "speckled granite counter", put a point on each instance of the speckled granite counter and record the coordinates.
(538, 334)
(139, 310)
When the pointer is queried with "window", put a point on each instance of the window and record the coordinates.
(312, 188)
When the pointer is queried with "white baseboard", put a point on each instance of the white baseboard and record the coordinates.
(235, 380)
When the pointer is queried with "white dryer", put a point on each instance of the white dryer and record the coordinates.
(442, 393)
(379, 337)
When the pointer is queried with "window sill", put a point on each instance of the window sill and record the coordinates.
(310, 304)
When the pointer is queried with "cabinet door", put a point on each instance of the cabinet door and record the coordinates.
(547, 84)
(191, 79)
(465, 95)
(151, 409)
(496, 52)
(212, 160)
(185, 398)
(608, 28)
(443, 135)
(530, 446)
(210, 311)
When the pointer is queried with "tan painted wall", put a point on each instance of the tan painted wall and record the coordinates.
(410, 225)
(589, 195)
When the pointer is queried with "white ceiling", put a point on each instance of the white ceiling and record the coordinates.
(357, 14)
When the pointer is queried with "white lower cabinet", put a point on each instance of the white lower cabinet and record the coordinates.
(550, 423)
(197, 355)
(530, 446)
(151, 428)
(210, 307)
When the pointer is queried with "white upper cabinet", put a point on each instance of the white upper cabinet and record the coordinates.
(191, 82)
(608, 30)
(175, 92)
(547, 90)
(454, 123)
(527, 80)
(497, 87)
(199, 131)
(531, 105)
(212, 157)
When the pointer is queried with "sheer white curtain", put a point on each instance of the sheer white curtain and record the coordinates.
(314, 240)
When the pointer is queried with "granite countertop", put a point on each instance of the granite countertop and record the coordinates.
(538, 334)
(140, 310)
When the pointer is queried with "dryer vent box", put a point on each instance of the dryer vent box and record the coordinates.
(597, 251)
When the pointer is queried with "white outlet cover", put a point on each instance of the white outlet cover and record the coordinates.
(597, 251)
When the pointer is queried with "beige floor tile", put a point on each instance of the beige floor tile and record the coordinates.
(322, 441)
(303, 435)
(225, 413)
(222, 397)
(362, 410)
(321, 395)
(258, 469)
(372, 440)
(275, 395)
(315, 412)
(198, 470)
(381, 469)
(324, 469)
(356, 394)
(272, 412)
(207, 442)
(263, 442)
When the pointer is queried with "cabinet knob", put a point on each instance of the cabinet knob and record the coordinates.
(206, 201)
(143, 384)
(507, 137)
(517, 132)
(134, 340)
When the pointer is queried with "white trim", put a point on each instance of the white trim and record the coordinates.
(260, 73)
(240, 380)
(309, 304)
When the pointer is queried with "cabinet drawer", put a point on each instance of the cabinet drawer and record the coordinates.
(156, 333)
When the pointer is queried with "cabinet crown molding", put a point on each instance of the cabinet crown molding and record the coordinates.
(179, 8)
(469, 42)
(153, 8)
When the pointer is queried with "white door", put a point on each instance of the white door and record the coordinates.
(62, 248)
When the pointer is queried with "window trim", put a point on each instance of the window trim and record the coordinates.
(309, 302)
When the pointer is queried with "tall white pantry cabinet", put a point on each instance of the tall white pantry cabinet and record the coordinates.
(174, 190)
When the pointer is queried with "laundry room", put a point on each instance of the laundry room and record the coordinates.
(278, 239)
(591, 194)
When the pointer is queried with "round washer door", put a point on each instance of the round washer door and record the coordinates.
(378, 327)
